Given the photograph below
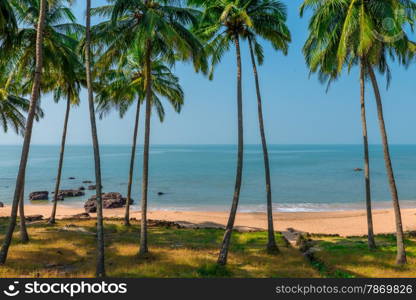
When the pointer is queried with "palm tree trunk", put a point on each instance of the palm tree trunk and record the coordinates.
(100, 269)
(371, 241)
(145, 179)
(132, 158)
(401, 252)
(61, 160)
(222, 257)
(271, 244)
(24, 236)
(28, 133)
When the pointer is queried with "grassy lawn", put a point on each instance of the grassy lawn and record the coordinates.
(67, 250)
(350, 257)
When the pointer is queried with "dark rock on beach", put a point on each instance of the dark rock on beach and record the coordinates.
(1, 204)
(39, 195)
(162, 223)
(32, 218)
(110, 200)
(69, 193)
(78, 216)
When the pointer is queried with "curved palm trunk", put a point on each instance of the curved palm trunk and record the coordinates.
(145, 179)
(222, 257)
(401, 252)
(133, 155)
(24, 236)
(371, 241)
(28, 133)
(100, 268)
(271, 244)
(61, 160)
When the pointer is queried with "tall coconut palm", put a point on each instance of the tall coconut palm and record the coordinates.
(125, 86)
(59, 43)
(224, 23)
(100, 268)
(160, 30)
(272, 25)
(354, 32)
(28, 132)
(12, 109)
(67, 85)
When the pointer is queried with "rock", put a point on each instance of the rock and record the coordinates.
(87, 181)
(162, 223)
(32, 218)
(69, 193)
(81, 216)
(93, 187)
(78, 216)
(160, 193)
(110, 200)
(358, 170)
(39, 195)
(71, 178)
(81, 188)
(1, 204)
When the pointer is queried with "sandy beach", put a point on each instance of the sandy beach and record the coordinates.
(344, 223)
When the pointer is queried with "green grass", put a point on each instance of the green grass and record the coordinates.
(67, 249)
(63, 250)
(350, 257)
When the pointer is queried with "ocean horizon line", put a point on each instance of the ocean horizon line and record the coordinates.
(208, 144)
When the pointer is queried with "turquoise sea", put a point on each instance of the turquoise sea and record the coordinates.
(194, 177)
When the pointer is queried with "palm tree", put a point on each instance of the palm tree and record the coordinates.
(100, 269)
(28, 132)
(279, 36)
(160, 30)
(65, 85)
(12, 108)
(351, 32)
(125, 85)
(225, 22)
(221, 25)
(59, 44)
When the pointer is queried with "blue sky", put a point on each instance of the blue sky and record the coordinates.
(296, 108)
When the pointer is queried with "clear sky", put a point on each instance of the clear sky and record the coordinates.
(296, 108)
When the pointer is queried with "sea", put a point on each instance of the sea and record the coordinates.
(305, 178)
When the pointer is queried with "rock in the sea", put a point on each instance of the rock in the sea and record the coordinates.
(69, 193)
(110, 200)
(81, 188)
(160, 193)
(32, 218)
(93, 187)
(71, 178)
(1, 204)
(39, 195)
(87, 181)
(358, 170)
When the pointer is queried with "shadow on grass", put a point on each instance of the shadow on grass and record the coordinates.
(64, 250)
(352, 256)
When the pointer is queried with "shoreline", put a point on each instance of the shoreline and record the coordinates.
(344, 223)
